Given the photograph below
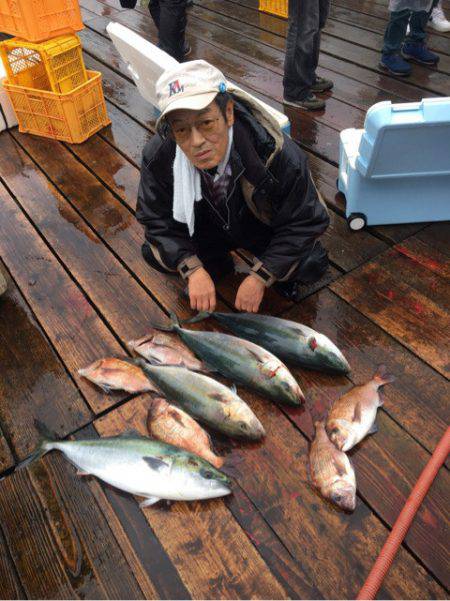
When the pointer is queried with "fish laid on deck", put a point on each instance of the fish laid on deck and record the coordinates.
(243, 362)
(165, 349)
(290, 341)
(207, 400)
(353, 416)
(174, 426)
(111, 373)
(143, 467)
(331, 471)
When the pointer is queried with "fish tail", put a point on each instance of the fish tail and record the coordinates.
(382, 376)
(163, 327)
(42, 447)
(175, 321)
(199, 317)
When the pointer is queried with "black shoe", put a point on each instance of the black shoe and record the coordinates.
(289, 290)
(310, 103)
(321, 85)
(314, 266)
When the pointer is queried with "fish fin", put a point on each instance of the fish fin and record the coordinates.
(149, 501)
(340, 467)
(233, 388)
(382, 376)
(357, 413)
(45, 436)
(254, 354)
(82, 473)
(199, 317)
(312, 343)
(175, 320)
(216, 396)
(373, 429)
(163, 327)
(130, 433)
(157, 464)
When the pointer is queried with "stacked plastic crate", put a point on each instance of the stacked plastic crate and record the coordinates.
(52, 93)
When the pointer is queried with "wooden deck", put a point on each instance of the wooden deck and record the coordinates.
(78, 289)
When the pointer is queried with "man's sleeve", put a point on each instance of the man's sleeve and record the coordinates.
(298, 218)
(168, 239)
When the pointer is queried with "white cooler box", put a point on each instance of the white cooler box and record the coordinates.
(7, 114)
(146, 62)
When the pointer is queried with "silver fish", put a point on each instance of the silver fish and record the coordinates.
(143, 467)
(290, 341)
(207, 400)
(353, 416)
(243, 362)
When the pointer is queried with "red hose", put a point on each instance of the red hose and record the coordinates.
(403, 522)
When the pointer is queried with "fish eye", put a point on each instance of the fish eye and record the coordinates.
(334, 431)
(243, 426)
(207, 474)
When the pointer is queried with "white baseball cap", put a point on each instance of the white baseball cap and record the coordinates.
(191, 85)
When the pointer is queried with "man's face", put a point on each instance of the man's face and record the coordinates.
(202, 135)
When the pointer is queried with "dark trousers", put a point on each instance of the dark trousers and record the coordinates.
(218, 263)
(306, 20)
(170, 19)
(395, 33)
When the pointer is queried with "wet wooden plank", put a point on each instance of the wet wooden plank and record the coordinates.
(10, 585)
(88, 251)
(60, 541)
(291, 508)
(67, 312)
(436, 237)
(208, 549)
(34, 383)
(416, 317)
(108, 284)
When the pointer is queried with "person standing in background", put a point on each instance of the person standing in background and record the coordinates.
(170, 19)
(398, 49)
(307, 18)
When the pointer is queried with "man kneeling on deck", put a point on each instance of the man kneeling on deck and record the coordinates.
(219, 177)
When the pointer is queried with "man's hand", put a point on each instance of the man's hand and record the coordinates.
(250, 294)
(202, 292)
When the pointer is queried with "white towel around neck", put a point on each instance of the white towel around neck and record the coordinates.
(187, 187)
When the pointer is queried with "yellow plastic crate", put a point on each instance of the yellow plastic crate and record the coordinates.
(56, 65)
(39, 20)
(274, 7)
(72, 117)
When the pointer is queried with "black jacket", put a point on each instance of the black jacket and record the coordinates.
(271, 197)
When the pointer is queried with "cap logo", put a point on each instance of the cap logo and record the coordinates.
(175, 87)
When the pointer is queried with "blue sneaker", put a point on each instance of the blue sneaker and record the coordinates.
(395, 64)
(419, 53)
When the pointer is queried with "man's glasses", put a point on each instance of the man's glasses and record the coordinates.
(182, 132)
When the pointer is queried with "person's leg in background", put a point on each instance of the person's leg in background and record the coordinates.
(391, 59)
(437, 19)
(303, 40)
(320, 84)
(414, 47)
(169, 17)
